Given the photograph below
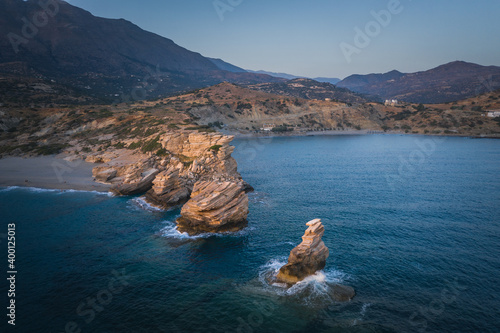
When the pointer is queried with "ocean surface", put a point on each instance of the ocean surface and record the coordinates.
(412, 223)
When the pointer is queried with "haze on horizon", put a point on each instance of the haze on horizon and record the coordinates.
(298, 38)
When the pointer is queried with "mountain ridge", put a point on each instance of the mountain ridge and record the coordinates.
(446, 83)
(108, 57)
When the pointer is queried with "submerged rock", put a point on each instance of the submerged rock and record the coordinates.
(343, 293)
(308, 257)
(215, 207)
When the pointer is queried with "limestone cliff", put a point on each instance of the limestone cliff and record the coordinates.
(215, 207)
(197, 170)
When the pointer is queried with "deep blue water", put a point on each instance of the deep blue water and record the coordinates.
(412, 223)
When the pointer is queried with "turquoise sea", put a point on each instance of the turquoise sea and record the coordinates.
(412, 223)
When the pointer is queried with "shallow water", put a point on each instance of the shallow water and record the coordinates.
(412, 223)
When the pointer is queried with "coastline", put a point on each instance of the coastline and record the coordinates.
(54, 172)
(240, 135)
(48, 172)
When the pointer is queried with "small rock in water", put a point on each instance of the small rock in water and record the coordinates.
(343, 293)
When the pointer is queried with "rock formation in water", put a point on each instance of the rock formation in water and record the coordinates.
(308, 257)
(197, 171)
(215, 207)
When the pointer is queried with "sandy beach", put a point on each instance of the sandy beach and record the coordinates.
(49, 172)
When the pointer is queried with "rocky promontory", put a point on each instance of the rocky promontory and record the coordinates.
(197, 171)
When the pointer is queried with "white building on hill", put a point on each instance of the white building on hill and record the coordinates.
(391, 102)
(493, 113)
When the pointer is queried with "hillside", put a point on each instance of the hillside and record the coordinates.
(310, 89)
(450, 82)
(106, 57)
(93, 129)
(238, 109)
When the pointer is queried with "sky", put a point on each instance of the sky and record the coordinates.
(327, 38)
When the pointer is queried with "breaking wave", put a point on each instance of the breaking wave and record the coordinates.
(48, 190)
(170, 231)
(315, 289)
(143, 204)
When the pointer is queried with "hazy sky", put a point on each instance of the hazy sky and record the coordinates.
(305, 37)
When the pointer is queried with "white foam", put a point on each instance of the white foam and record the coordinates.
(10, 188)
(313, 289)
(259, 198)
(364, 308)
(142, 203)
(48, 190)
(361, 314)
(171, 231)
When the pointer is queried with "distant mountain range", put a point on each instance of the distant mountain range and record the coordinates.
(221, 64)
(103, 56)
(450, 82)
(114, 60)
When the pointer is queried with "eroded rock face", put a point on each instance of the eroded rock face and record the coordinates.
(215, 207)
(308, 257)
(198, 171)
(169, 190)
(138, 187)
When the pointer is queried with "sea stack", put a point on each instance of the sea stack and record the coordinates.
(308, 257)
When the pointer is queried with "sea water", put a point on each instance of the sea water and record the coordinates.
(412, 223)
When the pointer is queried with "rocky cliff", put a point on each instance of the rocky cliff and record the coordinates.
(197, 170)
(215, 206)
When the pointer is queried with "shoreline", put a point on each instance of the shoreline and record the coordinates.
(48, 172)
(55, 173)
(240, 135)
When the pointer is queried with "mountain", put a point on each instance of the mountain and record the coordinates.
(332, 80)
(292, 77)
(450, 82)
(106, 57)
(281, 75)
(225, 66)
(359, 82)
(310, 89)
